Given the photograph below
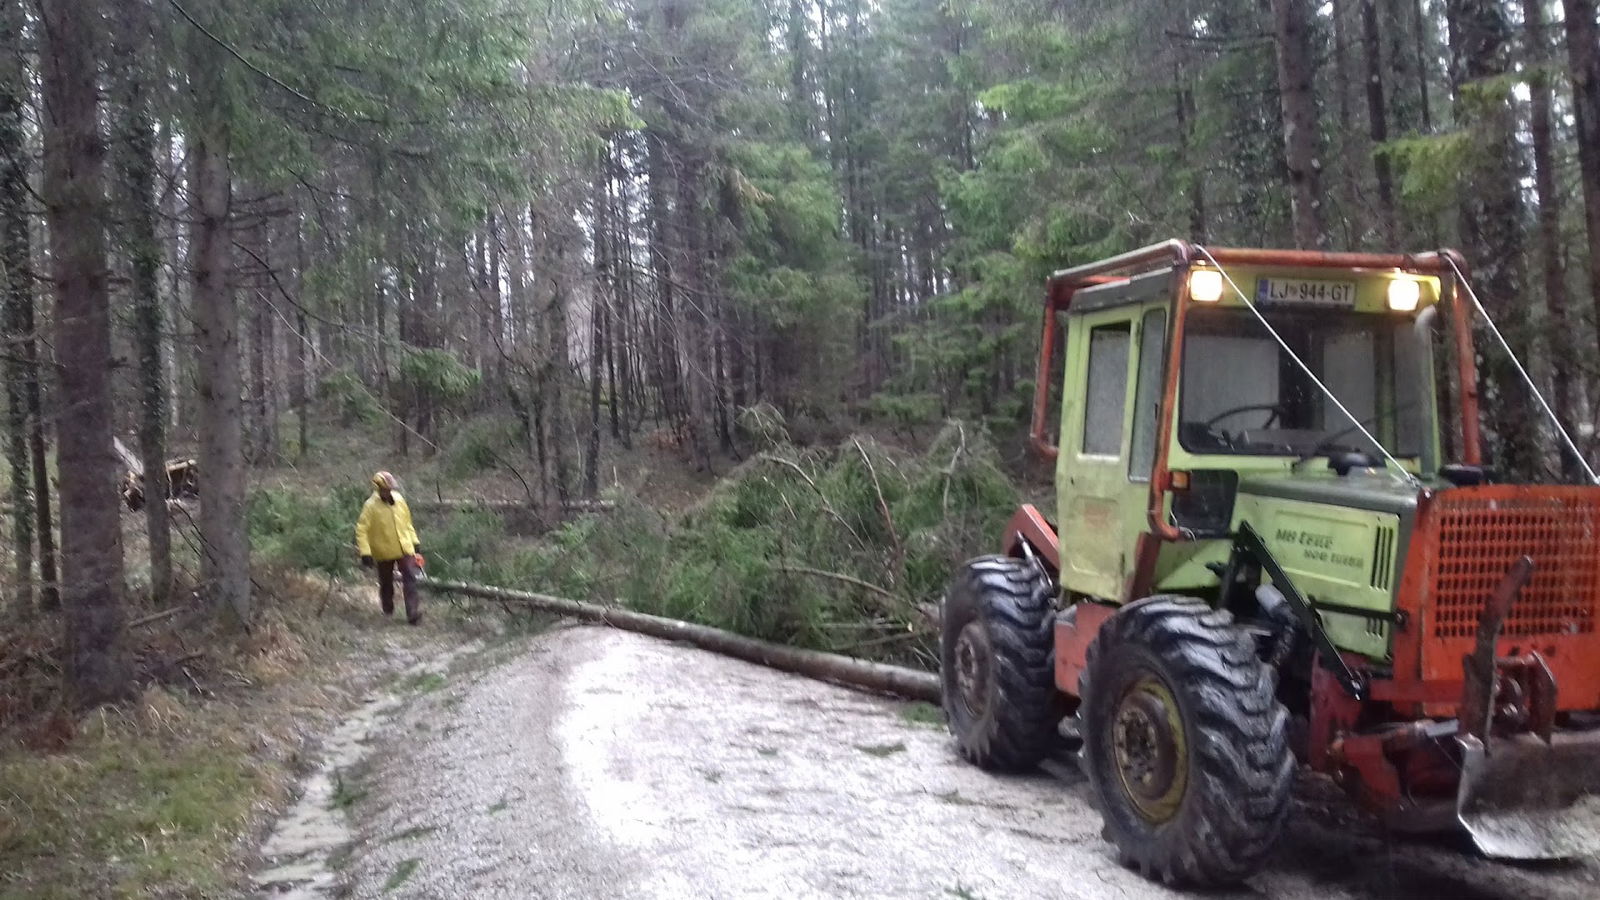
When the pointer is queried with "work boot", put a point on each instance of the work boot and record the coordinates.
(388, 605)
(415, 618)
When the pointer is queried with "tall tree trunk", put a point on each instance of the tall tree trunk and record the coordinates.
(556, 366)
(298, 396)
(1296, 68)
(137, 171)
(495, 373)
(264, 407)
(44, 521)
(664, 320)
(1420, 37)
(695, 322)
(97, 660)
(16, 279)
(623, 323)
(1194, 178)
(1551, 250)
(1378, 121)
(1347, 177)
(226, 560)
(599, 303)
(1583, 55)
(1491, 218)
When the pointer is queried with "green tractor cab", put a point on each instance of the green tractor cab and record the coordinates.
(1260, 556)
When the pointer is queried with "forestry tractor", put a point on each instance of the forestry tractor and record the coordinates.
(1261, 555)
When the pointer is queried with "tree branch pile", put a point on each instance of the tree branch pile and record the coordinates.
(845, 549)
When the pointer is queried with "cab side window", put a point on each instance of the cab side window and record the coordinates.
(1107, 389)
(1147, 394)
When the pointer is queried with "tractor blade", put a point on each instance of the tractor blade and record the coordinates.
(1525, 799)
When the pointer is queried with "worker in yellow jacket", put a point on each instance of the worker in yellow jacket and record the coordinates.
(387, 540)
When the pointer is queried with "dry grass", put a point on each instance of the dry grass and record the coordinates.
(166, 796)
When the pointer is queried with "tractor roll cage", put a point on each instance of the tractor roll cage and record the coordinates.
(1177, 255)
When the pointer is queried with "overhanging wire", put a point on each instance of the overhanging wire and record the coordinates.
(1537, 394)
(1307, 369)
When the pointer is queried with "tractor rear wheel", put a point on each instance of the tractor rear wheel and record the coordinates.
(1185, 742)
(997, 662)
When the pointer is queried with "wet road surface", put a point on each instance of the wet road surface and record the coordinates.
(600, 763)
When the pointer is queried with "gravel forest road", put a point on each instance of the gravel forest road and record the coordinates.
(600, 763)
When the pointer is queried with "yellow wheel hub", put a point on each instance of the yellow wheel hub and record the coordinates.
(1151, 749)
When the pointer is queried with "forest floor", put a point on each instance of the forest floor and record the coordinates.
(169, 795)
(585, 762)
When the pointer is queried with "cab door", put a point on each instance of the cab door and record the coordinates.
(1092, 472)
(1115, 364)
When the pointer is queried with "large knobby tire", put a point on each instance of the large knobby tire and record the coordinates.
(1185, 743)
(997, 662)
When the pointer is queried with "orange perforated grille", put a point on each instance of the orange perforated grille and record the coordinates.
(1482, 531)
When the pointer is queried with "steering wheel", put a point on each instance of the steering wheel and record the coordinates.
(1276, 408)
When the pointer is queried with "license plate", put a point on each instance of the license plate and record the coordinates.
(1306, 292)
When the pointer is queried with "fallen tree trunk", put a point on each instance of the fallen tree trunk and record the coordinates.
(845, 670)
(508, 505)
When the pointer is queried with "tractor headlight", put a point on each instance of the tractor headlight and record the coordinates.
(1404, 294)
(1205, 285)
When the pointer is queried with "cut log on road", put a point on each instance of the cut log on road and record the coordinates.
(845, 670)
(509, 505)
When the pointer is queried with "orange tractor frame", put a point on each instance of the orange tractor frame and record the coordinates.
(1494, 662)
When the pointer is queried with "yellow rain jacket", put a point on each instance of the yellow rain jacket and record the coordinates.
(385, 532)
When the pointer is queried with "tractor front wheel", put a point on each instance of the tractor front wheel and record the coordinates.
(1185, 742)
(997, 662)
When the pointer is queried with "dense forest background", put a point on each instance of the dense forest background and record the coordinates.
(678, 221)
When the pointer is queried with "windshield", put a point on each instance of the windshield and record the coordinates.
(1242, 393)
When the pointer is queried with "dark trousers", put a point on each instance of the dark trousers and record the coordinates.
(408, 585)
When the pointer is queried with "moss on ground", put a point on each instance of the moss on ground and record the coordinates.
(159, 811)
(157, 797)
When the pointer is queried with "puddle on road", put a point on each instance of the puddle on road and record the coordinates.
(299, 855)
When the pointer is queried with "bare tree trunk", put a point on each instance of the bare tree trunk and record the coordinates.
(226, 560)
(1296, 66)
(138, 176)
(1419, 35)
(556, 365)
(1551, 255)
(16, 267)
(695, 322)
(664, 319)
(1184, 111)
(298, 396)
(1583, 55)
(599, 303)
(1491, 219)
(1378, 121)
(1347, 178)
(264, 412)
(623, 323)
(49, 580)
(97, 661)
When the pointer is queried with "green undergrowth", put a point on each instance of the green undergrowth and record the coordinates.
(842, 548)
(308, 532)
(832, 549)
(316, 532)
(480, 445)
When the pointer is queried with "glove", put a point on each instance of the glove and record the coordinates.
(366, 562)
